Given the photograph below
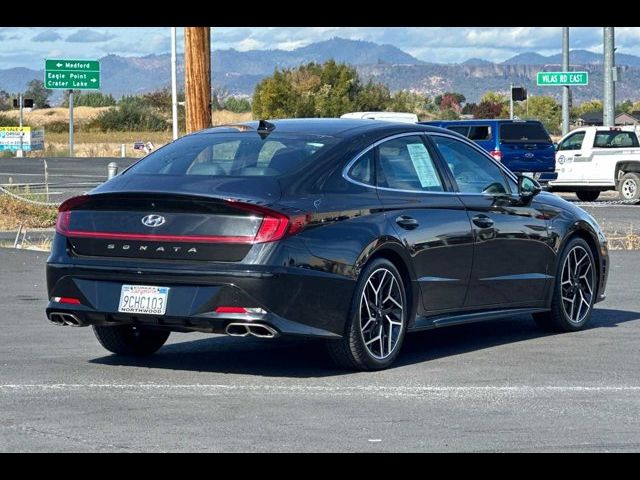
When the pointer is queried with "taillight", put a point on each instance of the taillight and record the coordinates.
(497, 154)
(67, 300)
(64, 212)
(275, 225)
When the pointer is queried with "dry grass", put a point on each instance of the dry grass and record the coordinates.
(41, 116)
(102, 144)
(14, 213)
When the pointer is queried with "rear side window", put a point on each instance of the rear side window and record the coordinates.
(234, 154)
(615, 139)
(406, 164)
(363, 170)
(480, 132)
(460, 129)
(523, 132)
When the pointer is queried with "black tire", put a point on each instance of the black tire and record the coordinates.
(629, 186)
(558, 319)
(129, 340)
(587, 195)
(351, 352)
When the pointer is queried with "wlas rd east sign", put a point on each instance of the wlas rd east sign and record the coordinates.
(552, 79)
(72, 74)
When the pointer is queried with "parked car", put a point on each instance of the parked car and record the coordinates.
(523, 146)
(590, 160)
(388, 116)
(350, 231)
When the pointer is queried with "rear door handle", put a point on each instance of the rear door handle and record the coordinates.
(482, 221)
(407, 222)
(577, 155)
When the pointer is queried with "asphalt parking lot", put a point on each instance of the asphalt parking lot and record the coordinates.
(497, 386)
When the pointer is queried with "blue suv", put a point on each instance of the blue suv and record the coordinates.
(523, 146)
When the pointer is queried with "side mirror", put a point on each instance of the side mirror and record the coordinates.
(555, 145)
(528, 187)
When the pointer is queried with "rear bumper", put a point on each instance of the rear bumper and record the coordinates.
(296, 301)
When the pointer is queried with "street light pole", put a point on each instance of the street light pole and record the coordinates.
(609, 113)
(174, 87)
(565, 88)
(20, 151)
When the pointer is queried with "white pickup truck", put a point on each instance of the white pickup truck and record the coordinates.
(590, 160)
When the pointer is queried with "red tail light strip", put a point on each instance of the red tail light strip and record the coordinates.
(274, 226)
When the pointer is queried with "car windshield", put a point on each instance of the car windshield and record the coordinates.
(523, 132)
(234, 154)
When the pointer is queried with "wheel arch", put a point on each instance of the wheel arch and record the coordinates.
(626, 166)
(395, 253)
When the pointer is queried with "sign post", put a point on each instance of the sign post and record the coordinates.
(71, 75)
(558, 79)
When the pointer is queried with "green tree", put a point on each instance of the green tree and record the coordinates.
(373, 97)
(315, 90)
(88, 99)
(39, 94)
(448, 114)
(624, 107)
(542, 108)
(406, 101)
(237, 105)
(590, 106)
(495, 97)
(5, 100)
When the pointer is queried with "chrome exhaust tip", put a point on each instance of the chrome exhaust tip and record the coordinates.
(256, 329)
(237, 330)
(65, 319)
(261, 331)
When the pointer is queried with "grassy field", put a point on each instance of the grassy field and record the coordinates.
(101, 144)
(14, 213)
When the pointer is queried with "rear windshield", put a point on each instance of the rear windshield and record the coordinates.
(615, 139)
(523, 132)
(234, 154)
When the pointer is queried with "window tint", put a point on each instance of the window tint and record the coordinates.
(573, 142)
(234, 154)
(523, 132)
(472, 170)
(363, 170)
(459, 129)
(615, 139)
(480, 132)
(406, 164)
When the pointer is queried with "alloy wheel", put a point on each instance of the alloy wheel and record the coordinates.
(577, 284)
(381, 313)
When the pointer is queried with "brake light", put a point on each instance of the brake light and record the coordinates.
(64, 212)
(497, 154)
(275, 225)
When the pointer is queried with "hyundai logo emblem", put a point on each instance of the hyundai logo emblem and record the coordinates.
(153, 220)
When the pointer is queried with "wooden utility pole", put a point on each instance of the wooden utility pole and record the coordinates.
(197, 73)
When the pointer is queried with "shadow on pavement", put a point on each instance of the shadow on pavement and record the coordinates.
(302, 358)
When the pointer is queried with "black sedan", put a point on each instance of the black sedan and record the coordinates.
(352, 231)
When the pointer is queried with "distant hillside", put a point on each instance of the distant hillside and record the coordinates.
(239, 72)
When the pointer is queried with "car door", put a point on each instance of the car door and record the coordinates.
(513, 254)
(569, 158)
(428, 217)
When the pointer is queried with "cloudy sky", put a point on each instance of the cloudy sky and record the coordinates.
(27, 46)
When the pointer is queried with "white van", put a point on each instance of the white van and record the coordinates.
(387, 116)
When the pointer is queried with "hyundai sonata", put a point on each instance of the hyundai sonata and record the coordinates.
(351, 231)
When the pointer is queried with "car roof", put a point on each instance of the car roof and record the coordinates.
(338, 127)
(480, 120)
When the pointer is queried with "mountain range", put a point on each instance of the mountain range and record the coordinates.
(237, 72)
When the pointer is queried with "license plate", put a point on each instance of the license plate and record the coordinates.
(143, 299)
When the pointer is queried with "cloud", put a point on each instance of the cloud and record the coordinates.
(89, 36)
(47, 36)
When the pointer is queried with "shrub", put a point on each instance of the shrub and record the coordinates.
(59, 126)
(128, 116)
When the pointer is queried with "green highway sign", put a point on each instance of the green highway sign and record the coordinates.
(554, 79)
(72, 74)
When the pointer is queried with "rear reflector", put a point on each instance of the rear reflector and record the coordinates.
(68, 300)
